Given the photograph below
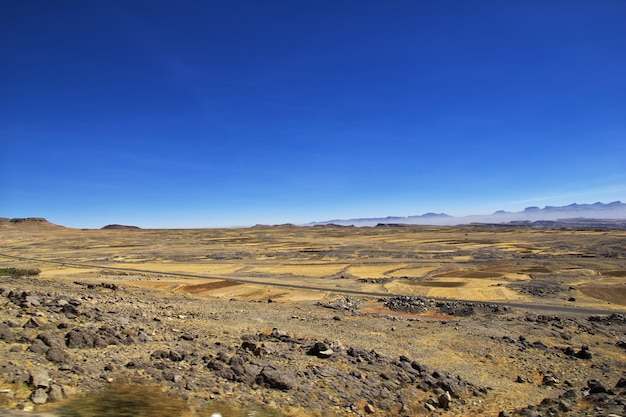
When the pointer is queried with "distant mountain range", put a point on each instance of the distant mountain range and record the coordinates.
(573, 215)
(597, 215)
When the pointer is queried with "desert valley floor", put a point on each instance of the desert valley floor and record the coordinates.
(319, 321)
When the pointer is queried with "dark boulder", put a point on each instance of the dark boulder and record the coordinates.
(57, 355)
(6, 334)
(39, 347)
(584, 353)
(276, 379)
(595, 387)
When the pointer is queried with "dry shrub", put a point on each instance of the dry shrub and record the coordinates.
(19, 272)
(126, 400)
(139, 400)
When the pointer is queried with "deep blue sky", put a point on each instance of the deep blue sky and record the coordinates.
(226, 113)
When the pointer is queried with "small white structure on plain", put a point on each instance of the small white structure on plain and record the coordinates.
(216, 415)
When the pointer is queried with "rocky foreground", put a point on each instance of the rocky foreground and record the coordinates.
(408, 357)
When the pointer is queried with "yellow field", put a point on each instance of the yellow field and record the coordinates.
(470, 262)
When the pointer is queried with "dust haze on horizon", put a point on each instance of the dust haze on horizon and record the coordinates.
(223, 114)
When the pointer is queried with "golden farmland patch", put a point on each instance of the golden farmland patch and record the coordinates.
(373, 271)
(311, 270)
(611, 294)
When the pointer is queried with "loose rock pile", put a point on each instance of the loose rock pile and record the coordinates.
(60, 339)
(343, 303)
(92, 336)
(408, 304)
(593, 400)
(538, 287)
(419, 305)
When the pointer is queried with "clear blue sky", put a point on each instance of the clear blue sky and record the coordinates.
(226, 113)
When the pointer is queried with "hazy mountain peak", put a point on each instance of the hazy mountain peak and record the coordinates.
(615, 210)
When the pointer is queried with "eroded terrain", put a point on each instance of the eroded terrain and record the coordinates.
(321, 320)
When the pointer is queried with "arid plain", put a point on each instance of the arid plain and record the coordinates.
(526, 296)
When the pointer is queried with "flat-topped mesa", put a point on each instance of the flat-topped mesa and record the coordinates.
(120, 227)
(27, 224)
(32, 220)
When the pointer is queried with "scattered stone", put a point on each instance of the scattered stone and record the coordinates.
(275, 379)
(177, 356)
(584, 353)
(70, 311)
(33, 323)
(6, 334)
(321, 350)
(358, 380)
(344, 303)
(408, 304)
(79, 339)
(39, 396)
(51, 340)
(616, 318)
(160, 354)
(550, 380)
(55, 393)
(57, 355)
(569, 351)
(565, 405)
(38, 347)
(40, 379)
(33, 300)
(444, 400)
(595, 387)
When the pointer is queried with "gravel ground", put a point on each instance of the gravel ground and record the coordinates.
(349, 357)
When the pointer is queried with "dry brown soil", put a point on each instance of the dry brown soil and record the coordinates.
(535, 271)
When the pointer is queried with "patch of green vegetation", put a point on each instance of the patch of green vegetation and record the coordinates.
(19, 272)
